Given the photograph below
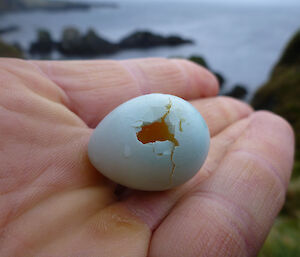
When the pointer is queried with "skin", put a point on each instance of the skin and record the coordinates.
(53, 203)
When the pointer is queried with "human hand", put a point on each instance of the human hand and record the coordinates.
(53, 203)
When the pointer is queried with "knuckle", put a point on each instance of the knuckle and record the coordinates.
(276, 120)
(236, 106)
(224, 108)
(264, 184)
(231, 109)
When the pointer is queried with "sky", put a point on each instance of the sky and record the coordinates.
(240, 2)
(264, 2)
(255, 2)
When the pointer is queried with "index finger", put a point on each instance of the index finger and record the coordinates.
(95, 88)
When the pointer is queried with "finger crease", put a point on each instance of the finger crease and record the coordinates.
(186, 78)
(65, 99)
(265, 163)
(137, 76)
(249, 229)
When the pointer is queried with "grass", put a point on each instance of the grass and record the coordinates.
(283, 241)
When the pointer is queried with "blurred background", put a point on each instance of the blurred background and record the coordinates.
(252, 46)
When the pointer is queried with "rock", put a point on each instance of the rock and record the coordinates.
(11, 5)
(175, 40)
(146, 39)
(220, 78)
(9, 29)
(49, 5)
(97, 45)
(238, 91)
(44, 43)
(7, 50)
(73, 43)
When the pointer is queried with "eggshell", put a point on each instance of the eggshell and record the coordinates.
(116, 151)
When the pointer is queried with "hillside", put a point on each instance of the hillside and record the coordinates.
(281, 95)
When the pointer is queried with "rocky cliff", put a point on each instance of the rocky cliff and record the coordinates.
(281, 94)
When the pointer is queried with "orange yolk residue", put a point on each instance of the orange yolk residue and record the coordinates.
(156, 131)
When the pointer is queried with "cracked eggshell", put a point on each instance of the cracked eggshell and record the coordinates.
(116, 152)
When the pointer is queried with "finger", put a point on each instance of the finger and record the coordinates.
(95, 88)
(153, 207)
(219, 112)
(43, 146)
(18, 75)
(230, 213)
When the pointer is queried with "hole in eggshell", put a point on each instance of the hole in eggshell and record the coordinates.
(159, 131)
(156, 131)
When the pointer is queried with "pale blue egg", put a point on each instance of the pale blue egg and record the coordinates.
(152, 142)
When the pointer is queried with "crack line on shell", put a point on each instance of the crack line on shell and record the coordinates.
(169, 106)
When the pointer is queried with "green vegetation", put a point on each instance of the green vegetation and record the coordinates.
(199, 60)
(281, 95)
(7, 50)
(283, 240)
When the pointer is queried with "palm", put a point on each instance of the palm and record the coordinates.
(54, 203)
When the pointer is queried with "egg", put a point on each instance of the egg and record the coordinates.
(152, 142)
